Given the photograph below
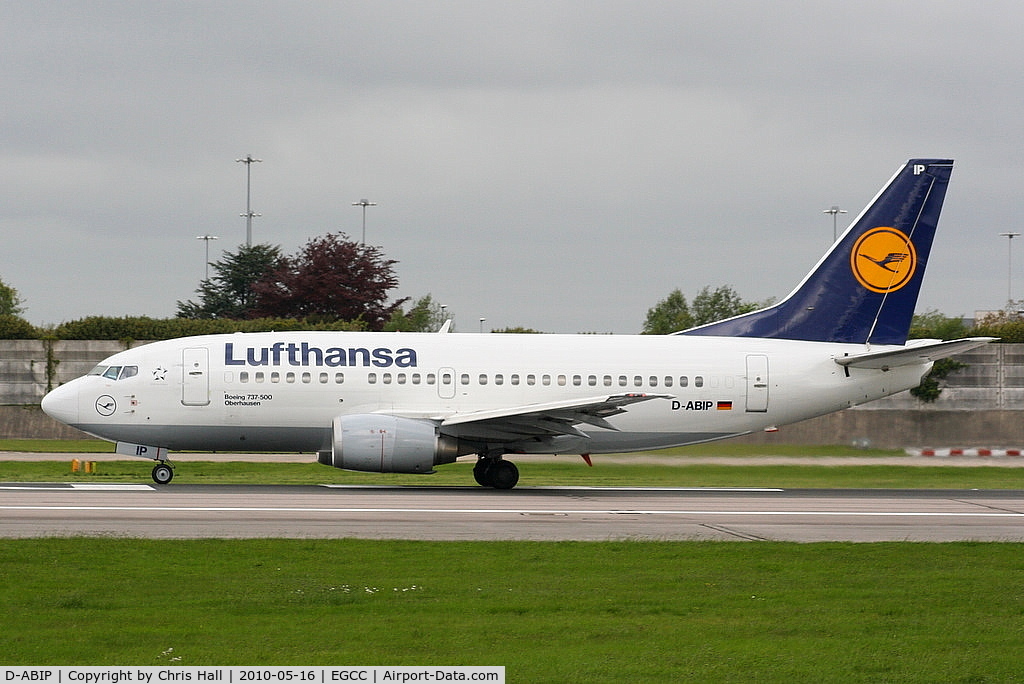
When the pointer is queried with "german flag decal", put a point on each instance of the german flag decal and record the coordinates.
(725, 406)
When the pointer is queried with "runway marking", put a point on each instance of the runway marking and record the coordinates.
(755, 490)
(512, 511)
(85, 486)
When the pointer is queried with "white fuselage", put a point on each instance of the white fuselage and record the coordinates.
(281, 391)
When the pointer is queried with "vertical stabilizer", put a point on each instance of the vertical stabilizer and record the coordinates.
(865, 288)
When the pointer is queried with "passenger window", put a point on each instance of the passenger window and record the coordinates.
(607, 381)
(668, 381)
(259, 376)
(400, 378)
(638, 381)
(698, 381)
(531, 379)
(514, 379)
(307, 378)
(371, 378)
(483, 379)
(289, 378)
(592, 380)
(387, 378)
(464, 379)
(339, 378)
(545, 380)
(561, 381)
(243, 376)
(275, 377)
(499, 379)
(323, 378)
(684, 381)
(577, 380)
(654, 381)
(416, 378)
(623, 381)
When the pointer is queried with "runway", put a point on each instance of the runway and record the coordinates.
(474, 513)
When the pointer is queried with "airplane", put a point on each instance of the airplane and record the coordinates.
(408, 402)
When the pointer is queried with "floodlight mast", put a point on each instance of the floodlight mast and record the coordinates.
(834, 209)
(364, 203)
(207, 239)
(1009, 268)
(248, 161)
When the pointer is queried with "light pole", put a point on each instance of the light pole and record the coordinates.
(364, 203)
(834, 209)
(1009, 268)
(482, 324)
(207, 239)
(248, 161)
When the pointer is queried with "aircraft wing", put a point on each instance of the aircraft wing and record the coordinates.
(912, 354)
(548, 419)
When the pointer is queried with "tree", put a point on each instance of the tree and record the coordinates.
(332, 278)
(228, 294)
(668, 315)
(718, 304)
(673, 314)
(425, 315)
(934, 325)
(10, 301)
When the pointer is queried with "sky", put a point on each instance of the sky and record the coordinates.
(556, 165)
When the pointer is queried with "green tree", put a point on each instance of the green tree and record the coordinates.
(228, 293)
(425, 315)
(934, 325)
(669, 315)
(718, 304)
(332, 278)
(673, 314)
(10, 301)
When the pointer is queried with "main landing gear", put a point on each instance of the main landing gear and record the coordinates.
(163, 472)
(494, 471)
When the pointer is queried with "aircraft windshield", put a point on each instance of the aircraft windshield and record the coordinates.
(115, 372)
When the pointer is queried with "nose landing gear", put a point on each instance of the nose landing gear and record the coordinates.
(163, 472)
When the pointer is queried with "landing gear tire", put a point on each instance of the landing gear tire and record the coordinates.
(480, 471)
(162, 473)
(496, 472)
(503, 474)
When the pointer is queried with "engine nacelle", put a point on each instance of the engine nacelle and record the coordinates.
(388, 444)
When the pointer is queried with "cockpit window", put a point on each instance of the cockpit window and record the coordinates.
(115, 372)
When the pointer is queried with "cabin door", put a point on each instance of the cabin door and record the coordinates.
(446, 383)
(757, 383)
(195, 381)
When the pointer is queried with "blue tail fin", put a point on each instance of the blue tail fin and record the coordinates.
(865, 288)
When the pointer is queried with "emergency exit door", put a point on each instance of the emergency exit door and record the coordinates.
(757, 383)
(195, 380)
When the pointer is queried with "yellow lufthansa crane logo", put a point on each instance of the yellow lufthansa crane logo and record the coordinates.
(883, 260)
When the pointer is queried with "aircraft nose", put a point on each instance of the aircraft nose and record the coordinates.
(62, 404)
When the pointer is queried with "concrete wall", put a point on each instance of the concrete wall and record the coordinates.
(981, 405)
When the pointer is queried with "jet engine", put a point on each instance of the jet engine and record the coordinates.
(388, 444)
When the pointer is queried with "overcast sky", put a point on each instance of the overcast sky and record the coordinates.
(554, 165)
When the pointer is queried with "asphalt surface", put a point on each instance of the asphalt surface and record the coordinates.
(474, 513)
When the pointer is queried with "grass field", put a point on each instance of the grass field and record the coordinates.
(540, 474)
(548, 612)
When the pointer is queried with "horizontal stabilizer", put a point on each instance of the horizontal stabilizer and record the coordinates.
(913, 354)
